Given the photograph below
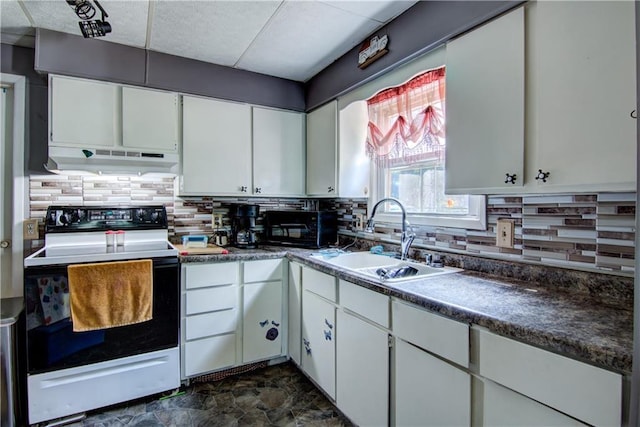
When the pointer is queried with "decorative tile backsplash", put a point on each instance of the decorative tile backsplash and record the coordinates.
(592, 231)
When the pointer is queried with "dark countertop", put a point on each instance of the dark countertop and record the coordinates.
(571, 324)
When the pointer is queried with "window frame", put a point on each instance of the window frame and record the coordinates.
(475, 220)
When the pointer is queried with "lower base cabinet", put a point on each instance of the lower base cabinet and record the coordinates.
(504, 407)
(429, 391)
(362, 371)
(209, 354)
(318, 341)
(262, 321)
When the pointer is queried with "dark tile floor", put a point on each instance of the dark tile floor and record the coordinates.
(278, 395)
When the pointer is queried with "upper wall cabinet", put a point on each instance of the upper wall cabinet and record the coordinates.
(581, 89)
(337, 165)
(485, 107)
(322, 125)
(90, 114)
(83, 113)
(149, 119)
(216, 147)
(579, 95)
(278, 152)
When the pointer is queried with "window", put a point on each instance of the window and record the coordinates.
(406, 141)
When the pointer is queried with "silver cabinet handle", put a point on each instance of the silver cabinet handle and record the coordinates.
(5, 244)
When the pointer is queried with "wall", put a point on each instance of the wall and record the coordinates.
(422, 28)
(588, 231)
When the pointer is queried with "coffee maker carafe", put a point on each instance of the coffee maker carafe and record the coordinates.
(243, 223)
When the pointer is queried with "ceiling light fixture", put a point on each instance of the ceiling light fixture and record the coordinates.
(86, 11)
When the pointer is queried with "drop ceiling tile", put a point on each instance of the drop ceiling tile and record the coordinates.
(128, 19)
(15, 27)
(380, 10)
(303, 38)
(12, 18)
(213, 31)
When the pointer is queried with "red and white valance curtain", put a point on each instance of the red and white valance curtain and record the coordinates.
(406, 123)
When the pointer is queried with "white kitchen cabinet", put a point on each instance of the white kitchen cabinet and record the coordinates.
(216, 151)
(262, 321)
(318, 341)
(505, 408)
(362, 369)
(432, 385)
(210, 309)
(428, 390)
(585, 392)
(83, 113)
(354, 166)
(278, 152)
(337, 164)
(318, 354)
(581, 84)
(485, 107)
(263, 312)
(322, 134)
(149, 120)
(295, 311)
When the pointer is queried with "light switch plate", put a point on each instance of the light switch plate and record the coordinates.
(30, 229)
(504, 233)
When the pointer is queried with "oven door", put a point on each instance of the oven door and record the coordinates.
(52, 344)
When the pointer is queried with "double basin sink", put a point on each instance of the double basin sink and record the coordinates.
(384, 268)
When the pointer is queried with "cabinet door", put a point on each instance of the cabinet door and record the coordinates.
(429, 391)
(485, 107)
(149, 119)
(503, 407)
(321, 150)
(354, 169)
(83, 113)
(362, 371)
(262, 327)
(582, 86)
(295, 311)
(216, 151)
(318, 341)
(278, 152)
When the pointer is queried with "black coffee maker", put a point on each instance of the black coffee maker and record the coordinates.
(243, 223)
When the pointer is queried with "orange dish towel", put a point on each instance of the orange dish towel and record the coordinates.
(109, 294)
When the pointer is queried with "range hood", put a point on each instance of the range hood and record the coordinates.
(111, 160)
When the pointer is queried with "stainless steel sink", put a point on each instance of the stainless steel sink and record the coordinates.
(404, 271)
(384, 268)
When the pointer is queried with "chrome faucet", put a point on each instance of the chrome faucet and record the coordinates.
(406, 238)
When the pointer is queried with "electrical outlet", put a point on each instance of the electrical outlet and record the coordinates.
(504, 233)
(216, 220)
(358, 220)
(30, 229)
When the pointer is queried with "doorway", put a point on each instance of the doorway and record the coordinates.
(13, 183)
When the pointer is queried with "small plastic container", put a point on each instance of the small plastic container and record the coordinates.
(120, 238)
(111, 237)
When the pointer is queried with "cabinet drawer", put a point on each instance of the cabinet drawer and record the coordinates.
(319, 283)
(204, 275)
(216, 323)
(263, 270)
(209, 354)
(439, 335)
(211, 299)
(365, 302)
(583, 391)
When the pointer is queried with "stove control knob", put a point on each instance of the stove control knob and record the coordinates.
(5, 244)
